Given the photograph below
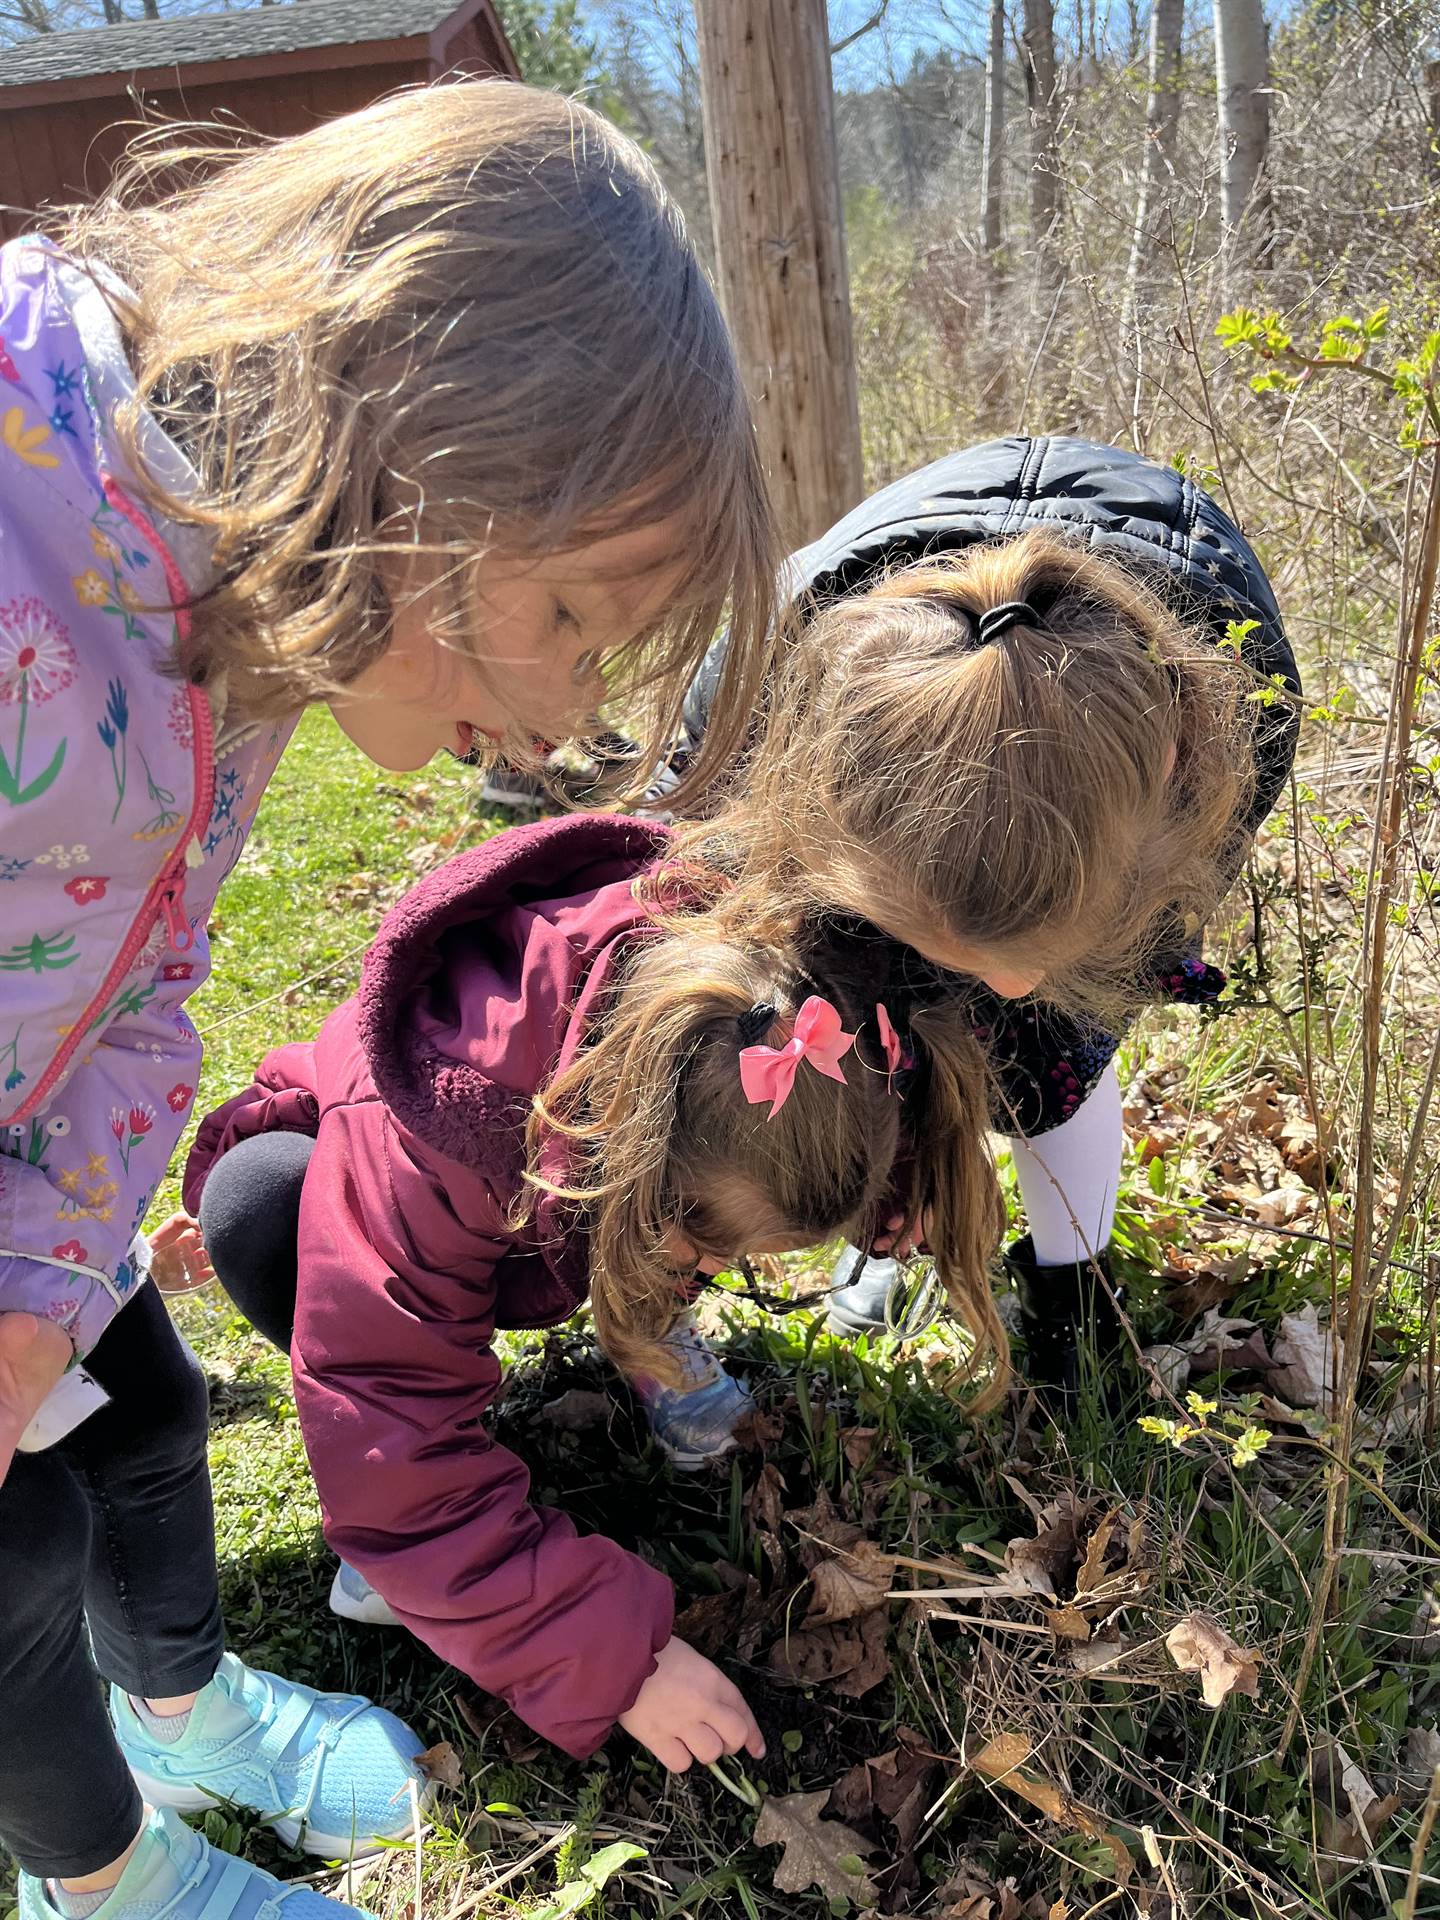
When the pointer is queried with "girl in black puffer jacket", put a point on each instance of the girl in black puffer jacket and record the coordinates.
(1037, 702)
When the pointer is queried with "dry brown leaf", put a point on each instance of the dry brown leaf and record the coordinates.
(576, 1411)
(1002, 1760)
(1092, 1567)
(1282, 1206)
(1201, 1645)
(894, 1787)
(757, 1430)
(968, 1893)
(814, 1848)
(1352, 1813)
(1308, 1361)
(1035, 1565)
(859, 1445)
(855, 1581)
(441, 1764)
(848, 1656)
(763, 1502)
(1099, 1654)
(710, 1623)
(1422, 1753)
(1067, 1623)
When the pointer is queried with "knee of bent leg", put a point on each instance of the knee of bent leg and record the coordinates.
(250, 1206)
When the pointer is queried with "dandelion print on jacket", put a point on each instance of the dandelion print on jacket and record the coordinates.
(116, 824)
(37, 661)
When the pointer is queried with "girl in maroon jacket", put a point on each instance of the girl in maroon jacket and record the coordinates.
(559, 1077)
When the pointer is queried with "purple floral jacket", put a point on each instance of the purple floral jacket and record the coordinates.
(124, 802)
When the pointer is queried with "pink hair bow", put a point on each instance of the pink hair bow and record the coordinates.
(768, 1073)
(890, 1042)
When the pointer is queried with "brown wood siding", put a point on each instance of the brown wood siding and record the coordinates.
(471, 49)
(65, 149)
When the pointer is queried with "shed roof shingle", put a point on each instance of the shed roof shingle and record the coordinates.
(181, 40)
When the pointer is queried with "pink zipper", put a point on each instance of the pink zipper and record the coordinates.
(166, 895)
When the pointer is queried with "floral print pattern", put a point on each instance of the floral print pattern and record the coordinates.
(37, 662)
(106, 764)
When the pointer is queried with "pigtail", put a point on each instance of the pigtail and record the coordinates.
(616, 1110)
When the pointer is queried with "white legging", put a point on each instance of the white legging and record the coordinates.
(1069, 1175)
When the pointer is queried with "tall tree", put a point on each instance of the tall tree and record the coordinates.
(1242, 85)
(548, 43)
(992, 160)
(1042, 92)
(780, 241)
(1162, 124)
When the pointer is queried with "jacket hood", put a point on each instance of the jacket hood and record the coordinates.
(480, 980)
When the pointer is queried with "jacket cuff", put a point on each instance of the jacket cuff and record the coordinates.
(82, 1300)
(629, 1667)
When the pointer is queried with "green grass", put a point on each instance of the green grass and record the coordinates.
(1233, 1823)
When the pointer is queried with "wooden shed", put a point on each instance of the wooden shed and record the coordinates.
(69, 101)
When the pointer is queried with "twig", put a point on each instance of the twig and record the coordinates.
(1422, 1841)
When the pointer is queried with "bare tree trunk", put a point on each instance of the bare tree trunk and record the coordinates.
(991, 163)
(1432, 115)
(1037, 43)
(780, 241)
(1242, 83)
(1162, 123)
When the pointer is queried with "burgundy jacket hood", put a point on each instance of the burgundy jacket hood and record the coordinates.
(472, 964)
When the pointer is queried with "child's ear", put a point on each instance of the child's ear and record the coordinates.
(1172, 754)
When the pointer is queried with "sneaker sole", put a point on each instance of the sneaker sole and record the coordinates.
(371, 1612)
(686, 1460)
(287, 1827)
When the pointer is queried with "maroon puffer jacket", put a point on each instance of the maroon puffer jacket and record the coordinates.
(416, 1092)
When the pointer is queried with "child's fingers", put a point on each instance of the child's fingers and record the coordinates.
(671, 1752)
(736, 1727)
(705, 1742)
(736, 1705)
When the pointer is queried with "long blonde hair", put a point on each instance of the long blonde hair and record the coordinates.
(1067, 797)
(648, 1130)
(465, 318)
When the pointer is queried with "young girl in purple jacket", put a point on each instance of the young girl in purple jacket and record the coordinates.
(569, 1070)
(426, 416)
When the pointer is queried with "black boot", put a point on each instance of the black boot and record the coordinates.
(1057, 1305)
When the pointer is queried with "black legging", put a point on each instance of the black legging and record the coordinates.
(107, 1560)
(250, 1219)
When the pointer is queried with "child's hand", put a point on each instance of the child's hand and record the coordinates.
(178, 1260)
(687, 1710)
(33, 1355)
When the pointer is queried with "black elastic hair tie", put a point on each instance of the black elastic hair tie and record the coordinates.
(756, 1022)
(997, 621)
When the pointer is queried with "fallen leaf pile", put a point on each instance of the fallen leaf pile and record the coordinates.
(1259, 1157)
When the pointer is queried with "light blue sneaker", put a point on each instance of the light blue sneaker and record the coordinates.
(694, 1423)
(327, 1771)
(353, 1598)
(175, 1875)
